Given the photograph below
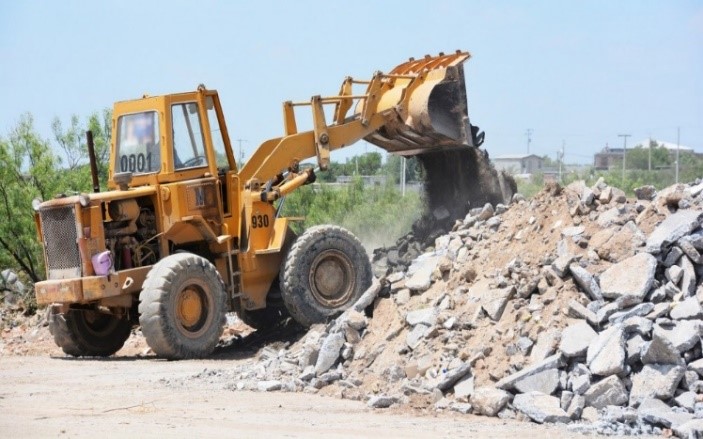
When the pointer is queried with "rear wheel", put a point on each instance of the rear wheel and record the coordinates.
(182, 309)
(324, 273)
(89, 332)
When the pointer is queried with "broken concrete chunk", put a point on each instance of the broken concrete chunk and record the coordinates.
(555, 361)
(546, 345)
(674, 274)
(608, 391)
(581, 312)
(635, 311)
(696, 366)
(453, 376)
(464, 388)
(415, 337)
(606, 353)
(269, 386)
(634, 348)
(689, 429)
(494, 301)
(572, 231)
(329, 352)
(576, 338)
(420, 272)
(638, 325)
(660, 351)
(686, 400)
(486, 212)
(425, 316)
(689, 250)
(683, 334)
(655, 381)
(381, 401)
(673, 256)
(489, 400)
(687, 309)
(657, 412)
(545, 381)
(586, 281)
(688, 279)
(580, 384)
(609, 217)
(632, 277)
(561, 265)
(540, 408)
(675, 226)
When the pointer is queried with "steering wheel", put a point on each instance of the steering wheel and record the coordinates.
(195, 161)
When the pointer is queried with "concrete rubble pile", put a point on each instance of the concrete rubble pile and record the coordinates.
(577, 306)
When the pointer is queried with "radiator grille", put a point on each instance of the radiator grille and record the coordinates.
(59, 230)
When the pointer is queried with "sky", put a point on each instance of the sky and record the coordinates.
(576, 73)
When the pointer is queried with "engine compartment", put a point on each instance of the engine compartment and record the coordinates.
(130, 233)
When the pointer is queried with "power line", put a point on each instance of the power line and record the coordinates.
(528, 133)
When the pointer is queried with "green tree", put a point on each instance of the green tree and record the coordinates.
(72, 141)
(27, 170)
(638, 157)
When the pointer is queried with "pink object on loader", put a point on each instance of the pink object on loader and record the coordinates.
(102, 263)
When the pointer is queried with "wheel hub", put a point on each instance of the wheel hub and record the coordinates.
(331, 278)
(189, 307)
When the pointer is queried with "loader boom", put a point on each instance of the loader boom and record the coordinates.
(420, 105)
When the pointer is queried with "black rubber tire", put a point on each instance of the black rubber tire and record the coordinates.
(325, 272)
(89, 333)
(171, 330)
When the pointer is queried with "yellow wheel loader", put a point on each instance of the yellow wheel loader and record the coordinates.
(183, 235)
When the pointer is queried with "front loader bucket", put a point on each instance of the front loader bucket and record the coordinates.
(432, 111)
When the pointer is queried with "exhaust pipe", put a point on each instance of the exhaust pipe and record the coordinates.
(93, 161)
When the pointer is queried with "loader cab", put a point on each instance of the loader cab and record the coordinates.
(170, 138)
(180, 143)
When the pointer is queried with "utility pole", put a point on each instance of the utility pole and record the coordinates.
(649, 148)
(678, 140)
(624, 154)
(560, 154)
(241, 151)
(528, 133)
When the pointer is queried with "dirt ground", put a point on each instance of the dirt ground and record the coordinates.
(128, 395)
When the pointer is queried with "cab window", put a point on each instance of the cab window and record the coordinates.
(216, 134)
(138, 147)
(188, 145)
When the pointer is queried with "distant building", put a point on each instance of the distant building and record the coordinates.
(611, 157)
(369, 180)
(607, 158)
(519, 164)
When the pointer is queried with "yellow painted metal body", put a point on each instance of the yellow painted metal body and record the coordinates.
(230, 212)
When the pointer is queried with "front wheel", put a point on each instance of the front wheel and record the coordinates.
(182, 307)
(325, 272)
(89, 332)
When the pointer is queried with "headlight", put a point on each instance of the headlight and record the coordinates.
(84, 199)
(36, 203)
